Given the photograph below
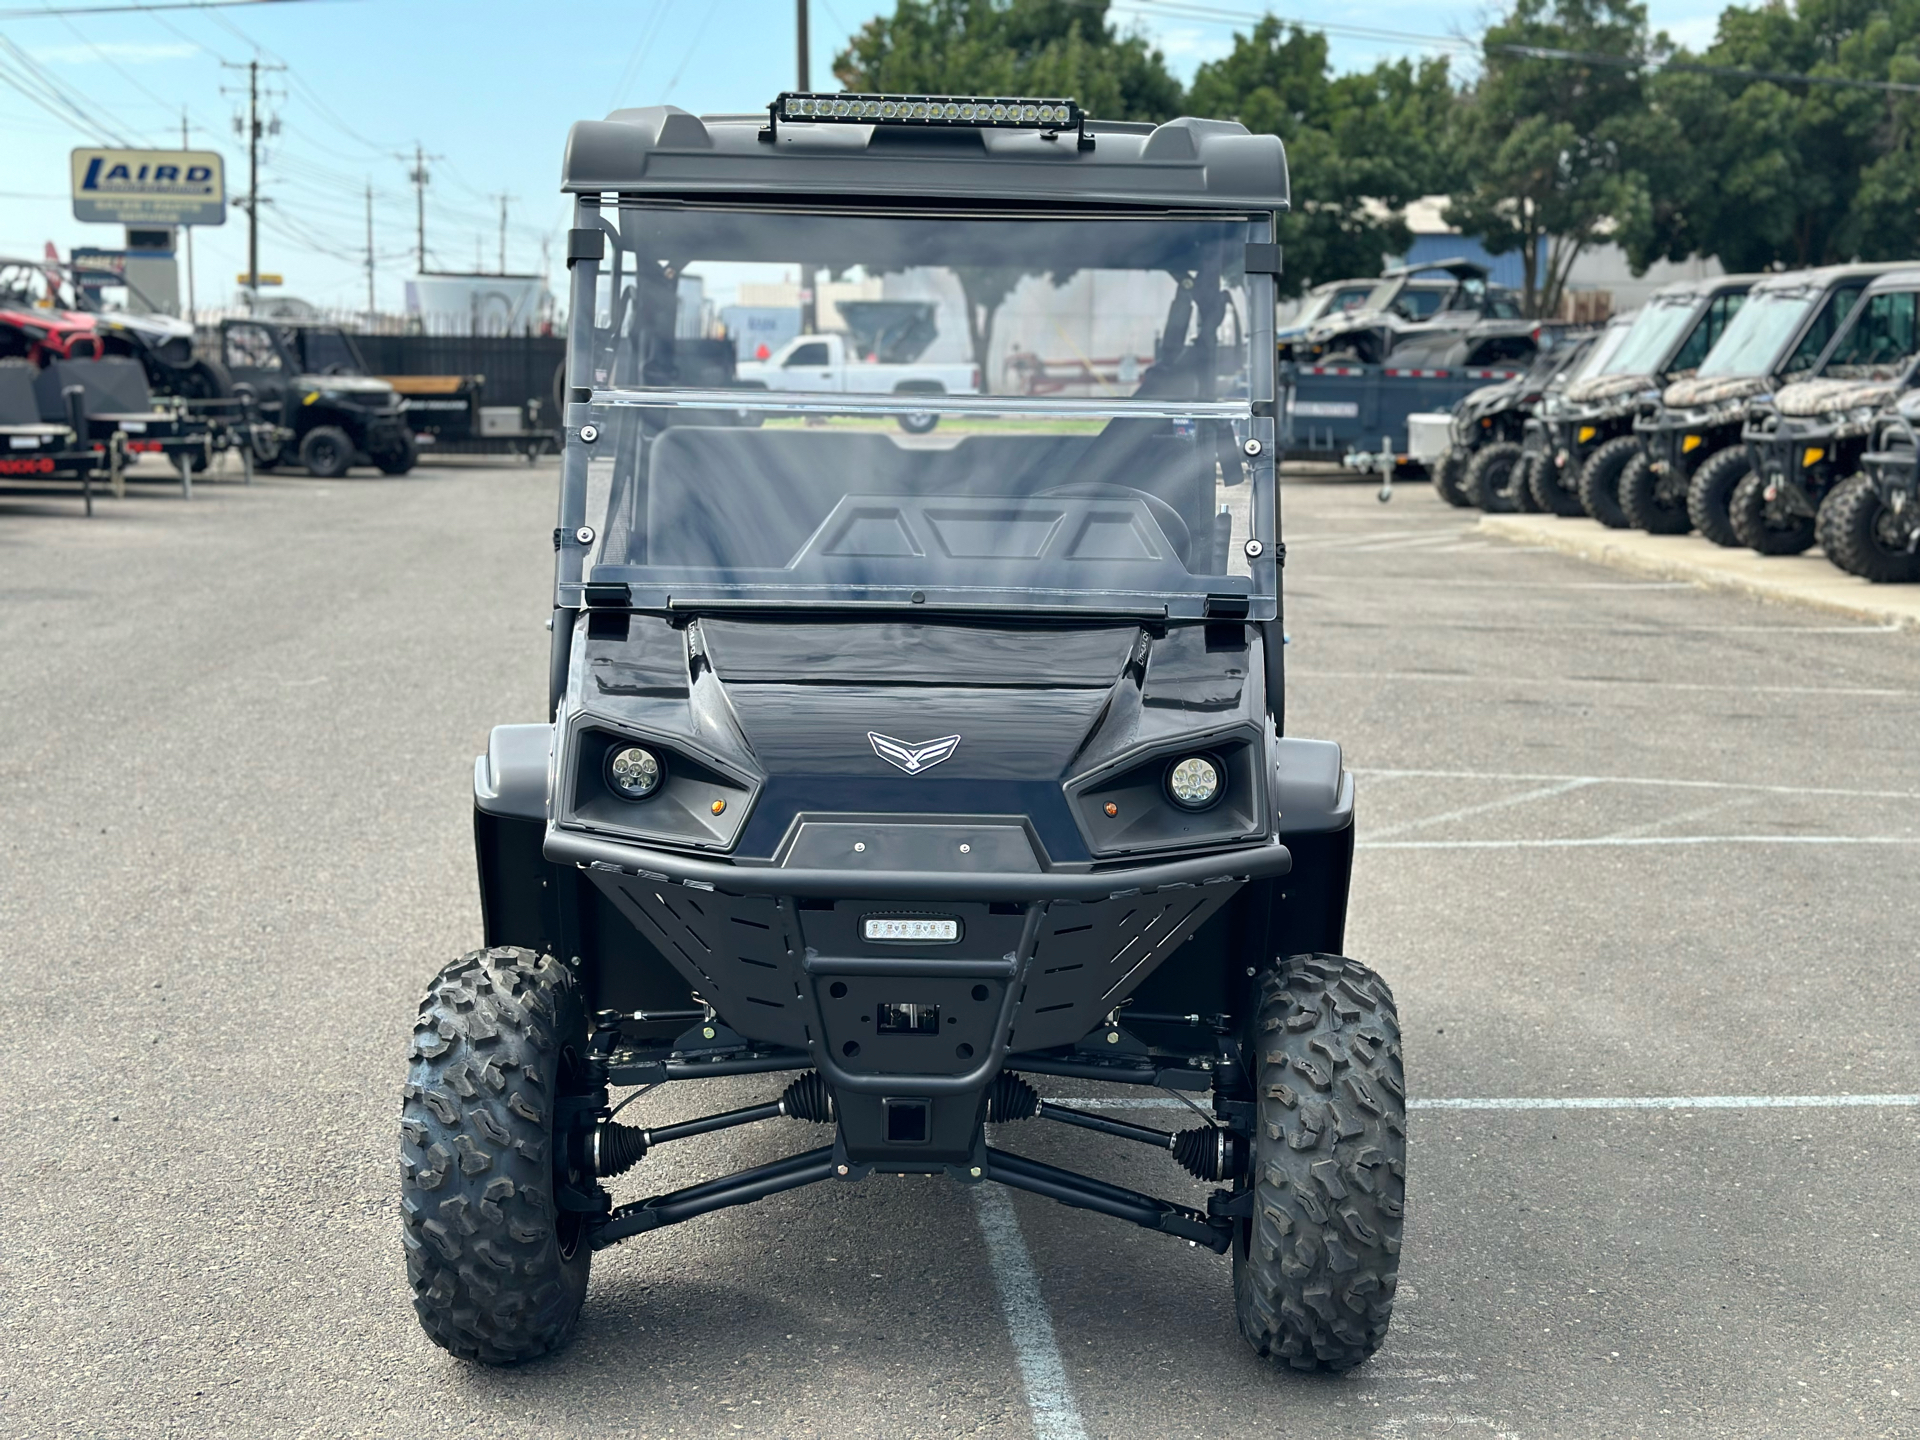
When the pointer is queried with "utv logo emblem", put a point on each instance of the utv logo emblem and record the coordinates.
(913, 758)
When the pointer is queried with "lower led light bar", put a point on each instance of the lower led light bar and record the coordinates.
(990, 112)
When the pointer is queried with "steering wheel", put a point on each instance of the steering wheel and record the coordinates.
(1164, 515)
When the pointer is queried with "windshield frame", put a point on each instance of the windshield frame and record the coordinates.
(1252, 594)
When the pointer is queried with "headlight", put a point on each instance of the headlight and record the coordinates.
(633, 773)
(1194, 782)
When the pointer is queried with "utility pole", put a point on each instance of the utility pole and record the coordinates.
(254, 129)
(503, 199)
(184, 145)
(370, 309)
(418, 176)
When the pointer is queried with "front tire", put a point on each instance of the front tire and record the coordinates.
(1600, 480)
(400, 457)
(1762, 527)
(1493, 477)
(1547, 480)
(1861, 534)
(1315, 1268)
(1448, 474)
(1648, 505)
(326, 451)
(1710, 492)
(498, 1267)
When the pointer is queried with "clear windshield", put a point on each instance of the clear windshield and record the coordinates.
(1652, 337)
(1880, 343)
(1600, 356)
(926, 408)
(1756, 336)
(325, 351)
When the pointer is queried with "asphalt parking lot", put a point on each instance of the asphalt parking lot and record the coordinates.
(1620, 838)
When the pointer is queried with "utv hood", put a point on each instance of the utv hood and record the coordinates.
(793, 723)
(1712, 390)
(1606, 387)
(1829, 397)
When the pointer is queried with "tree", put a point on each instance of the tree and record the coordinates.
(1781, 171)
(1359, 147)
(1553, 147)
(1066, 48)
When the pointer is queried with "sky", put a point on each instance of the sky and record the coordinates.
(487, 88)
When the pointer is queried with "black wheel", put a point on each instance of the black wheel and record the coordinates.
(1448, 474)
(919, 422)
(1767, 525)
(1710, 492)
(1600, 480)
(1649, 502)
(398, 458)
(498, 1266)
(326, 452)
(1552, 489)
(1314, 1270)
(1863, 536)
(1492, 477)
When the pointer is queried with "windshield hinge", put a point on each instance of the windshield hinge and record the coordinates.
(609, 596)
(1263, 258)
(586, 245)
(1228, 607)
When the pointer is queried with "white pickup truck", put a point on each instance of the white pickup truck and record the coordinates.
(824, 363)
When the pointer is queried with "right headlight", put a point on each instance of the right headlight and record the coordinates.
(633, 773)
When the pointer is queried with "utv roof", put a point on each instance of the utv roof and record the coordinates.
(1458, 266)
(1827, 275)
(1706, 286)
(662, 150)
(1905, 278)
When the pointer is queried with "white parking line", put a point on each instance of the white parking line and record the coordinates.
(1029, 1323)
(1662, 781)
(1561, 1102)
(1543, 793)
(1606, 682)
(1603, 842)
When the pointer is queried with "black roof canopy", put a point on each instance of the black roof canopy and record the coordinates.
(1182, 164)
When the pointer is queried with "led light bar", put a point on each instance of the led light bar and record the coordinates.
(891, 928)
(951, 110)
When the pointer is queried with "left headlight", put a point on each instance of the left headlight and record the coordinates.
(1194, 782)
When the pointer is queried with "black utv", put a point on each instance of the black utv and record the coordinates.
(1691, 437)
(312, 381)
(1870, 525)
(1808, 437)
(1593, 441)
(1486, 461)
(918, 774)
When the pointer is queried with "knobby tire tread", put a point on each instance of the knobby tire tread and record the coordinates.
(483, 1234)
(1315, 1269)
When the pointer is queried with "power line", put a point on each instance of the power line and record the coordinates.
(209, 5)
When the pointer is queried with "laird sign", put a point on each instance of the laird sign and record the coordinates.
(149, 187)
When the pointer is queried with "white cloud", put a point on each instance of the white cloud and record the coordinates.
(118, 52)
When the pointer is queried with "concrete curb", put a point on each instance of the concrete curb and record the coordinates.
(1808, 580)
